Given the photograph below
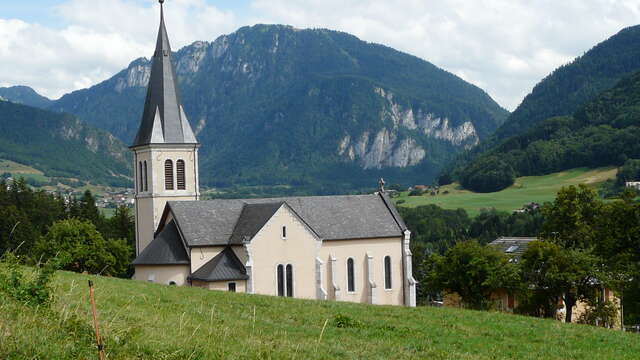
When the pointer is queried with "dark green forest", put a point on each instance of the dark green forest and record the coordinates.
(604, 132)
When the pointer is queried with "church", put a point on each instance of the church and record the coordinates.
(346, 248)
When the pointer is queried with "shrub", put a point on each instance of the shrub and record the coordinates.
(82, 248)
(34, 290)
(415, 192)
(344, 321)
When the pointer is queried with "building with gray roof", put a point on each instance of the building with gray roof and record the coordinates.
(348, 247)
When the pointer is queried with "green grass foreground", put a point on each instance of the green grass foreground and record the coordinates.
(526, 189)
(149, 321)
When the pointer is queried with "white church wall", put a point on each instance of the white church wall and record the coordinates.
(342, 250)
(201, 255)
(241, 285)
(299, 248)
(162, 274)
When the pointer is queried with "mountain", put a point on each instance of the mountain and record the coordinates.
(604, 132)
(61, 145)
(24, 95)
(272, 104)
(576, 83)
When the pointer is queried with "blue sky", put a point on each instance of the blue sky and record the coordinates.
(503, 46)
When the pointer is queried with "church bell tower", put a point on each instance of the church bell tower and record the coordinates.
(165, 148)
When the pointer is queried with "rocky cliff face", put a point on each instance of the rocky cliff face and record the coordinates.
(303, 99)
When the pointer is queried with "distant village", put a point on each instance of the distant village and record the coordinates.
(110, 198)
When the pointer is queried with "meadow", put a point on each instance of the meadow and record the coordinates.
(527, 189)
(142, 320)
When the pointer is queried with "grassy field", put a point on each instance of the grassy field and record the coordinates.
(526, 189)
(149, 321)
(20, 170)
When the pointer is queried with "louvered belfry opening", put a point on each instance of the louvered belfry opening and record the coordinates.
(180, 174)
(168, 175)
(141, 178)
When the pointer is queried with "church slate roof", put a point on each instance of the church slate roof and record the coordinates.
(252, 219)
(223, 221)
(165, 249)
(163, 119)
(224, 266)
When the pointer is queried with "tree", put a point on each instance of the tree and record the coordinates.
(630, 171)
(81, 248)
(554, 273)
(473, 272)
(488, 174)
(571, 219)
(618, 233)
(122, 225)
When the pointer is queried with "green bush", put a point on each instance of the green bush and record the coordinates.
(82, 249)
(344, 321)
(31, 289)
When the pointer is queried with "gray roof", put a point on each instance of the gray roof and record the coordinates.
(512, 246)
(224, 266)
(252, 219)
(165, 249)
(163, 120)
(223, 221)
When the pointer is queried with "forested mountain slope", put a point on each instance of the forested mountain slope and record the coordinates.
(272, 104)
(574, 84)
(61, 145)
(604, 132)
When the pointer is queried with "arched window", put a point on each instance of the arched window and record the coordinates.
(351, 279)
(387, 272)
(180, 175)
(140, 178)
(146, 180)
(168, 175)
(289, 280)
(280, 276)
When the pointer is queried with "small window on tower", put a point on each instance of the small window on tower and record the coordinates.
(168, 175)
(284, 232)
(180, 174)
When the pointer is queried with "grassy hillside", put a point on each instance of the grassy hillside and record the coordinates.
(526, 189)
(151, 321)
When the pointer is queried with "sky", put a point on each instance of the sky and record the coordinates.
(503, 46)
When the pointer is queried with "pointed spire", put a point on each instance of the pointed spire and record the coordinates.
(163, 119)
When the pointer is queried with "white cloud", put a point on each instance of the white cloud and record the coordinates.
(503, 46)
(100, 39)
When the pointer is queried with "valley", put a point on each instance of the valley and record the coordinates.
(538, 189)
